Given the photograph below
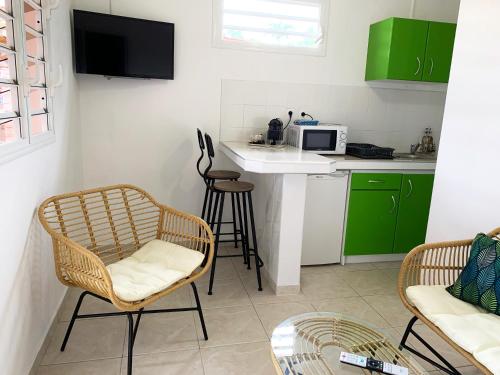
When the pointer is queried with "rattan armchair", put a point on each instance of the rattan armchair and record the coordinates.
(435, 264)
(92, 229)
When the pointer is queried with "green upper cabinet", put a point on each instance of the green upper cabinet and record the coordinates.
(396, 49)
(439, 51)
(413, 213)
(409, 50)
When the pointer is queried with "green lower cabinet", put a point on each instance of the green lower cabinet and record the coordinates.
(413, 213)
(371, 222)
(387, 213)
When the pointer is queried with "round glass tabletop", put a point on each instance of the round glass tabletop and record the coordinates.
(311, 344)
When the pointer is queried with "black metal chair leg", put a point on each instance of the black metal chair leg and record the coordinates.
(412, 321)
(214, 213)
(449, 369)
(205, 200)
(217, 235)
(234, 222)
(245, 223)
(72, 321)
(254, 240)
(200, 312)
(130, 342)
(242, 233)
(210, 198)
(136, 327)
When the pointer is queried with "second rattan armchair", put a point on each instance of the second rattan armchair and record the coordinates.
(99, 235)
(435, 264)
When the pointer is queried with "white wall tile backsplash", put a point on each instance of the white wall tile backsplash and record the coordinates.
(383, 116)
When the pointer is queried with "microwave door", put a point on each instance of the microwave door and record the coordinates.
(319, 140)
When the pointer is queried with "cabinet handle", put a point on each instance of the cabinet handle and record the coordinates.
(376, 181)
(393, 204)
(411, 188)
(432, 66)
(419, 65)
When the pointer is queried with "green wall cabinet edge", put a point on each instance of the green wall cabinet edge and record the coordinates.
(388, 220)
(410, 50)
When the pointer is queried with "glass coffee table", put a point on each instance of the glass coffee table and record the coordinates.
(310, 344)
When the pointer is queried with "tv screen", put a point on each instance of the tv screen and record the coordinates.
(123, 46)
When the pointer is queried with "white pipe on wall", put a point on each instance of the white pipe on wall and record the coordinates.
(412, 8)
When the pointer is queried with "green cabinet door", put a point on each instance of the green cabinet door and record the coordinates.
(409, 38)
(396, 49)
(413, 213)
(440, 41)
(371, 222)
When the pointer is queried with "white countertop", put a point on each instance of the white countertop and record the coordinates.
(285, 159)
(346, 162)
(290, 159)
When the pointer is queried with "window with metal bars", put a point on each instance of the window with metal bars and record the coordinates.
(296, 26)
(24, 103)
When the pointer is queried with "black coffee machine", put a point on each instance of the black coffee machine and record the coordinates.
(275, 131)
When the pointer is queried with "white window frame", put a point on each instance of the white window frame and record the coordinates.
(219, 42)
(27, 142)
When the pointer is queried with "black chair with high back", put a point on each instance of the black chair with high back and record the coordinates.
(209, 177)
(242, 191)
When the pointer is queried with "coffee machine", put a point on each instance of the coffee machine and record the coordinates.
(275, 132)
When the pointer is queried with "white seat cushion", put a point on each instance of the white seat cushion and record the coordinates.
(151, 269)
(432, 300)
(469, 326)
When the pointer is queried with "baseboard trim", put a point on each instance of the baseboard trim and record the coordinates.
(281, 290)
(48, 336)
(284, 290)
(372, 258)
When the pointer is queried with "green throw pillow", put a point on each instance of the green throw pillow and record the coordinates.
(479, 281)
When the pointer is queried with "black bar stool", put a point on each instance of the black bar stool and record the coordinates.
(236, 189)
(209, 177)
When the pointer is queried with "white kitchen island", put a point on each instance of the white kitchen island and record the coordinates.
(280, 177)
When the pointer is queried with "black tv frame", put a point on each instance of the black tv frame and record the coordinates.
(76, 52)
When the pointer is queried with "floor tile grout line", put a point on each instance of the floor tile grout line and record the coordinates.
(376, 310)
(201, 361)
(187, 349)
(81, 361)
(236, 343)
(261, 322)
(85, 361)
(196, 321)
(242, 283)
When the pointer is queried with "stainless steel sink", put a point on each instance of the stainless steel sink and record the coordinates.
(408, 156)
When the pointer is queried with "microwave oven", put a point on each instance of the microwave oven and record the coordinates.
(320, 139)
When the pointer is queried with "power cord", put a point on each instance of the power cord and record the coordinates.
(290, 114)
(303, 114)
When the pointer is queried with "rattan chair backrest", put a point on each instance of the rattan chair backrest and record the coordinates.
(112, 222)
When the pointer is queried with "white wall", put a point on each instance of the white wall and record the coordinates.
(383, 116)
(30, 293)
(467, 185)
(143, 132)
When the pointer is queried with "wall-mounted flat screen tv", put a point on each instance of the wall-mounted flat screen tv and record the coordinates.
(122, 46)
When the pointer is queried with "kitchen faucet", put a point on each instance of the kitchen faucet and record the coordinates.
(414, 148)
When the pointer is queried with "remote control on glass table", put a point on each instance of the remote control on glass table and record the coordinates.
(372, 364)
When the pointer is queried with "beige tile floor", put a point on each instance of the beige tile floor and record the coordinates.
(239, 319)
